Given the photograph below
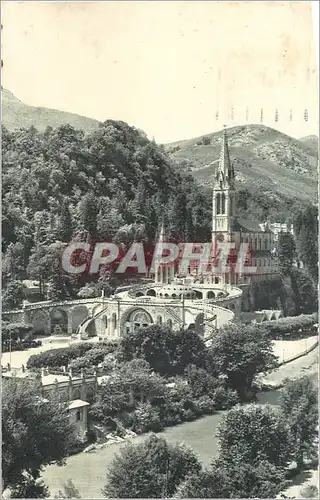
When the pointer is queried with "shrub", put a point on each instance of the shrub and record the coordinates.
(146, 418)
(310, 491)
(206, 405)
(58, 357)
(295, 326)
(225, 398)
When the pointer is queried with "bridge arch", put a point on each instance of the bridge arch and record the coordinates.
(211, 295)
(135, 318)
(151, 292)
(59, 320)
(40, 321)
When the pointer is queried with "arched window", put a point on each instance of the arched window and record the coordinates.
(223, 200)
(114, 320)
(169, 323)
(159, 320)
(76, 394)
(105, 321)
(218, 204)
(266, 244)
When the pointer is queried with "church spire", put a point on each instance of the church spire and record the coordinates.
(161, 234)
(225, 165)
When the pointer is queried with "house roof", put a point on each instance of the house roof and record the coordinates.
(77, 403)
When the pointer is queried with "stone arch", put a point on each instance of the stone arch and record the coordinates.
(76, 394)
(78, 314)
(220, 294)
(174, 296)
(139, 294)
(198, 294)
(210, 295)
(90, 394)
(134, 318)
(40, 321)
(151, 292)
(59, 320)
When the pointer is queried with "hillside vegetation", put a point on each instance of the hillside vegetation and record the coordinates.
(263, 158)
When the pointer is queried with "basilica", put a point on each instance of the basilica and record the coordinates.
(227, 227)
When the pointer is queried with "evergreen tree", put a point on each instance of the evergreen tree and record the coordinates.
(64, 229)
(87, 211)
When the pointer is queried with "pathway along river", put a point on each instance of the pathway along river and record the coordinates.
(88, 470)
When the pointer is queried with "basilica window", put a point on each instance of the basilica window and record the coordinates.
(223, 203)
(218, 204)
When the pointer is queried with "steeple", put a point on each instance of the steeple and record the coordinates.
(223, 195)
(225, 171)
(161, 234)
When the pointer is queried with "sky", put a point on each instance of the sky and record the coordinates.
(165, 67)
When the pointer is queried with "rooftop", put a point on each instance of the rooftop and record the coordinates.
(77, 403)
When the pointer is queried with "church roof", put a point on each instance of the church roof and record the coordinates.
(249, 226)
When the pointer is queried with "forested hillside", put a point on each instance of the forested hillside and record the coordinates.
(111, 183)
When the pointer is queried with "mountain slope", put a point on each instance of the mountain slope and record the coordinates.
(312, 142)
(262, 157)
(16, 115)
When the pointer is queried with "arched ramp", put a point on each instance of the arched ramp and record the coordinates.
(78, 314)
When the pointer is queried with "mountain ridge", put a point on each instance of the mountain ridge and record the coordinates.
(16, 114)
(262, 156)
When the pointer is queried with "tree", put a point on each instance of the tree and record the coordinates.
(255, 433)
(132, 383)
(310, 491)
(13, 295)
(166, 351)
(304, 292)
(152, 469)
(238, 480)
(88, 211)
(240, 352)
(299, 405)
(35, 433)
(306, 230)
(287, 253)
(64, 228)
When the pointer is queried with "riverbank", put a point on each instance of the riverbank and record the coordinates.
(88, 470)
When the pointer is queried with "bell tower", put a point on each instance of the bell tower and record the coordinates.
(223, 195)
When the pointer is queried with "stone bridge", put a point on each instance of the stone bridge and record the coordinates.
(129, 310)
